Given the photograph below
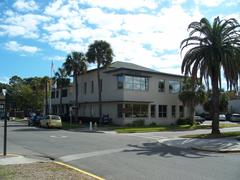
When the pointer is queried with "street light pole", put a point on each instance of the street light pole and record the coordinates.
(4, 91)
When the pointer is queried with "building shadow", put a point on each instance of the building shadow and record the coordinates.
(150, 149)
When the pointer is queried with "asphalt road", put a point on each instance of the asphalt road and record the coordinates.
(119, 156)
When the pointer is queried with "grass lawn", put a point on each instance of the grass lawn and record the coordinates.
(209, 136)
(66, 125)
(168, 128)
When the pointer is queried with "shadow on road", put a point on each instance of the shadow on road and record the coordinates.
(150, 149)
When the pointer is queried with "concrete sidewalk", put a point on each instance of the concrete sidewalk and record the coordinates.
(18, 159)
(212, 145)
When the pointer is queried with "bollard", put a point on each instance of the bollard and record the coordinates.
(95, 125)
(90, 126)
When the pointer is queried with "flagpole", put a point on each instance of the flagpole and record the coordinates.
(50, 99)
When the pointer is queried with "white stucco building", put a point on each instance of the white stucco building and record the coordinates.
(129, 92)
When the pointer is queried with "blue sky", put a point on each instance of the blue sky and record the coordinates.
(145, 32)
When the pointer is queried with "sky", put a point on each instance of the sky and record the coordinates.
(33, 33)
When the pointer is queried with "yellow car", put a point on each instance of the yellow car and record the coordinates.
(51, 121)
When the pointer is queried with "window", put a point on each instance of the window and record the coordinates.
(85, 88)
(57, 94)
(53, 95)
(136, 83)
(153, 111)
(92, 87)
(64, 93)
(1, 106)
(120, 81)
(174, 86)
(181, 111)
(162, 110)
(161, 85)
(119, 110)
(136, 110)
(173, 111)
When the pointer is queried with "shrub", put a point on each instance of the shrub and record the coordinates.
(184, 121)
(139, 122)
(153, 124)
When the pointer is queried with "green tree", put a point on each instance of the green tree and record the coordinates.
(75, 65)
(192, 94)
(60, 77)
(211, 47)
(101, 53)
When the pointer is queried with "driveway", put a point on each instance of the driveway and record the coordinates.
(122, 156)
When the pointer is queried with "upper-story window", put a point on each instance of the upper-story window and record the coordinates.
(85, 88)
(174, 86)
(161, 85)
(133, 82)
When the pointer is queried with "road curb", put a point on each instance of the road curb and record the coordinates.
(79, 170)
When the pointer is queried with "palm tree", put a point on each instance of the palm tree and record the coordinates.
(101, 53)
(75, 65)
(191, 95)
(211, 47)
(60, 77)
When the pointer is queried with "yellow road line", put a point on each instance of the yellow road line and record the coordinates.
(79, 170)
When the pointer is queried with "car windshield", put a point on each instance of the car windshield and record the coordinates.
(55, 117)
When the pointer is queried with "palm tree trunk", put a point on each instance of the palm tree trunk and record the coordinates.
(192, 112)
(99, 94)
(76, 98)
(46, 97)
(215, 105)
(60, 94)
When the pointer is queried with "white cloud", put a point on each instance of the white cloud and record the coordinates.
(4, 80)
(25, 5)
(15, 46)
(56, 58)
(122, 4)
(209, 3)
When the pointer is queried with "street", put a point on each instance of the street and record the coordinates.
(122, 156)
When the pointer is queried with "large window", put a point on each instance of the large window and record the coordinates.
(132, 82)
(53, 95)
(162, 110)
(174, 86)
(153, 110)
(161, 85)
(136, 110)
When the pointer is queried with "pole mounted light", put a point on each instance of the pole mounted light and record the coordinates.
(4, 92)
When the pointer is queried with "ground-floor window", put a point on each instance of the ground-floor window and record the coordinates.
(181, 111)
(136, 110)
(153, 110)
(173, 111)
(162, 110)
(119, 110)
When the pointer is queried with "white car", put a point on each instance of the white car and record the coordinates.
(199, 119)
(235, 117)
(222, 117)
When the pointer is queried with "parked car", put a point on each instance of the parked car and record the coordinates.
(235, 118)
(199, 119)
(106, 119)
(51, 121)
(34, 120)
(222, 117)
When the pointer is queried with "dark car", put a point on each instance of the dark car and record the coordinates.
(34, 120)
(106, 119)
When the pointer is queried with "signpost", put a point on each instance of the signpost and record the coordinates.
(4, 91)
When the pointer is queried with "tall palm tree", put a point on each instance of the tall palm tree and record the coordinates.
(191, 95)
(211, 47)
(60, 77)
(101, 53)
(44, 84)
(75, 65)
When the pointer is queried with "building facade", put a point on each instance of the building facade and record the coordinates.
(129, 93)
(2, 106)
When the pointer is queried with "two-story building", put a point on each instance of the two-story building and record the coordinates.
(129, 92)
